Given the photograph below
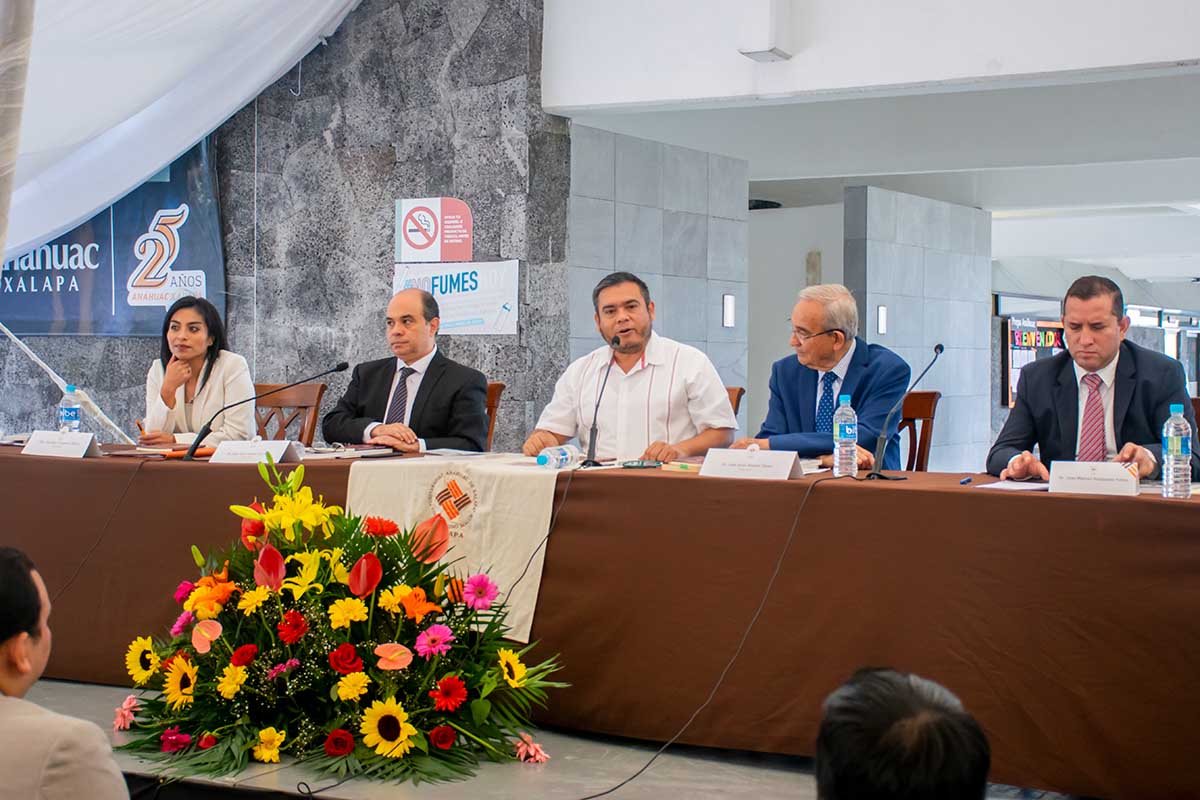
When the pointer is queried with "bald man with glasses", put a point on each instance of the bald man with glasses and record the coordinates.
(831, 360)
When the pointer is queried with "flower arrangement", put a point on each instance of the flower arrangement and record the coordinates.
(339, 640)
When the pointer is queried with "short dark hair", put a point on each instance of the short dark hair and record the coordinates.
(429, 306)
(212, 321)
(20, 606)
(898, 736)
(615, 279)
(1090, 286)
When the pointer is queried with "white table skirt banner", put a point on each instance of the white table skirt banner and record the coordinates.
(498, 513)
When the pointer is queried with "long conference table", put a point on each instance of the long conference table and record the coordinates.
(1068, 625)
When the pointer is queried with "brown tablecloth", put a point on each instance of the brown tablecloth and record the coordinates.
(1070, 626)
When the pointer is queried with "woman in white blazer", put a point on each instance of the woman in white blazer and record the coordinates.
(199, 377)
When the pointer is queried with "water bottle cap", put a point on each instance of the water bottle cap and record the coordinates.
(71, 388)
(543, 460)
(1176, 408)
(843, 399)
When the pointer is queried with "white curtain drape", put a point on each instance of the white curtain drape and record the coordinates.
(16, 27)
(118, 89)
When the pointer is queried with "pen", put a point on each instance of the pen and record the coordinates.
(138, 422)
(965, 481)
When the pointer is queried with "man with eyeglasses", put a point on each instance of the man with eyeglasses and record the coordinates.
(830, 361)
(418, 399)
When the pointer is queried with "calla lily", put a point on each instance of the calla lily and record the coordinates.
(365, 575)
(430, 540)
(204, 634)
(393, 656)
(270, 568)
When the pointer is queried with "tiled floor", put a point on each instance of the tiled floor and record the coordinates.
(579, 766)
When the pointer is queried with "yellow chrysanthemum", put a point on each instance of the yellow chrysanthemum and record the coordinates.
(269, 742)
(310, 567)
(231, 681)
(180, 683)
(345, 611)
(252, 599)
(353, 686)
(141, 660)
(512, 668)
(385, 727)
(389, 599)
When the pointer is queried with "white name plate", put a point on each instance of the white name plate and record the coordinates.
(282, 450)
(774, 465)
(61, 445)
(1094, 477)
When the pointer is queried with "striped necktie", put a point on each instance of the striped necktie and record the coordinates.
(399, 404)
(1091, 433)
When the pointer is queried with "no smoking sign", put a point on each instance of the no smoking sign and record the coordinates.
(433, 229)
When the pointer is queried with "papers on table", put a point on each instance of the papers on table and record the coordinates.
(450, 451)
(1015, 486)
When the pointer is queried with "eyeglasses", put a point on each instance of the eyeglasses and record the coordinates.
(803, 337)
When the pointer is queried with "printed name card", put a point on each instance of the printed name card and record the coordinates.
(254, 452)
(774, 465)
(61, 445)
(1094, 477)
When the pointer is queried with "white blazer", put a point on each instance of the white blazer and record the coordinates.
(228, 382)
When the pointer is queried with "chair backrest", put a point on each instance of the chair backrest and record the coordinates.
(735, 397)
(495, 389)
(918, 407)
(1196, 407)
(283, 408)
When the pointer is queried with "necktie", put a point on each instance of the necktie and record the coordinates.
(1091, 433)
(825, 407)
(399, 404)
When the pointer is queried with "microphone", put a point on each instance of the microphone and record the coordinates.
(591, 453)
(881, 445)
(207, 429)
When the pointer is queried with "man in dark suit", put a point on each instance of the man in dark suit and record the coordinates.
(417, 401)
(1105, 399)
(830, 361)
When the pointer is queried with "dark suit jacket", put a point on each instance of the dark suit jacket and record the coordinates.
(1047, 407)
(450, 409)
(876, 379)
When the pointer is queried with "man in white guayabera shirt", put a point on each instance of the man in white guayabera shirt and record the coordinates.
(664, 400)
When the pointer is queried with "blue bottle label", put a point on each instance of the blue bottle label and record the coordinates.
(68, 414)
(845, 431)
(1177, 446)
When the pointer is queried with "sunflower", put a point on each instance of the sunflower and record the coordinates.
(385, 727)
(353, 686)
(231, 681)
(512, 668)
(180, 683)
(141, 660)
(252, 599)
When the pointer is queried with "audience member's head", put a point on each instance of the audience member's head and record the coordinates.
(24, 630)
(895, 736)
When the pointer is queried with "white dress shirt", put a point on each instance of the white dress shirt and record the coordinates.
(671, 393)
(228, 381)
(840, 370)
(1107, 375)
(412, 383)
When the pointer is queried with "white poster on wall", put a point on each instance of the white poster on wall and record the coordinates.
(474, 297)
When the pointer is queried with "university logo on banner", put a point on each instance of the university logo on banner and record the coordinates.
(452, 495)
(433, 229)
(116, 273)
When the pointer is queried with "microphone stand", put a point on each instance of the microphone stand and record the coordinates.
(591, 461)
(876, 473)
(207, 428)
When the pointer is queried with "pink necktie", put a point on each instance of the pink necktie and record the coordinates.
(1091, 433)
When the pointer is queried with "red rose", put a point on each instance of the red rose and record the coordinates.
(345, 660)
(206, 741)
(253, 529)
(244, 655)
(450, 693)
(443, 736)
(339, 743)
(294, 626)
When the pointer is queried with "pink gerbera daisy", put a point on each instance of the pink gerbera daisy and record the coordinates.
(434, 641)
(479, 592)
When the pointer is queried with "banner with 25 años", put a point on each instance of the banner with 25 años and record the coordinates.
(116, 274)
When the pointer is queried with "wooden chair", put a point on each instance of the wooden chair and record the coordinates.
(495, 389)
(283, 408)
(735, 397)
(919, 407)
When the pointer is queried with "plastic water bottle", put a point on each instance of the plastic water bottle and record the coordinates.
(845, 439)
(564, 456)
(69, 413)
(1177, 455)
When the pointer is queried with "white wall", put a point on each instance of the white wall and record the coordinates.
(626, 53)
(780, 240)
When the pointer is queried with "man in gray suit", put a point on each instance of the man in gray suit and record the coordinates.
(43, 755)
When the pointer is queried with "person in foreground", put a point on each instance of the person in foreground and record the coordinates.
(42, 754)
(1104, 399)
(193, 378)
(663, 401)
(887, 735)
(416, 400)
(830, 361)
